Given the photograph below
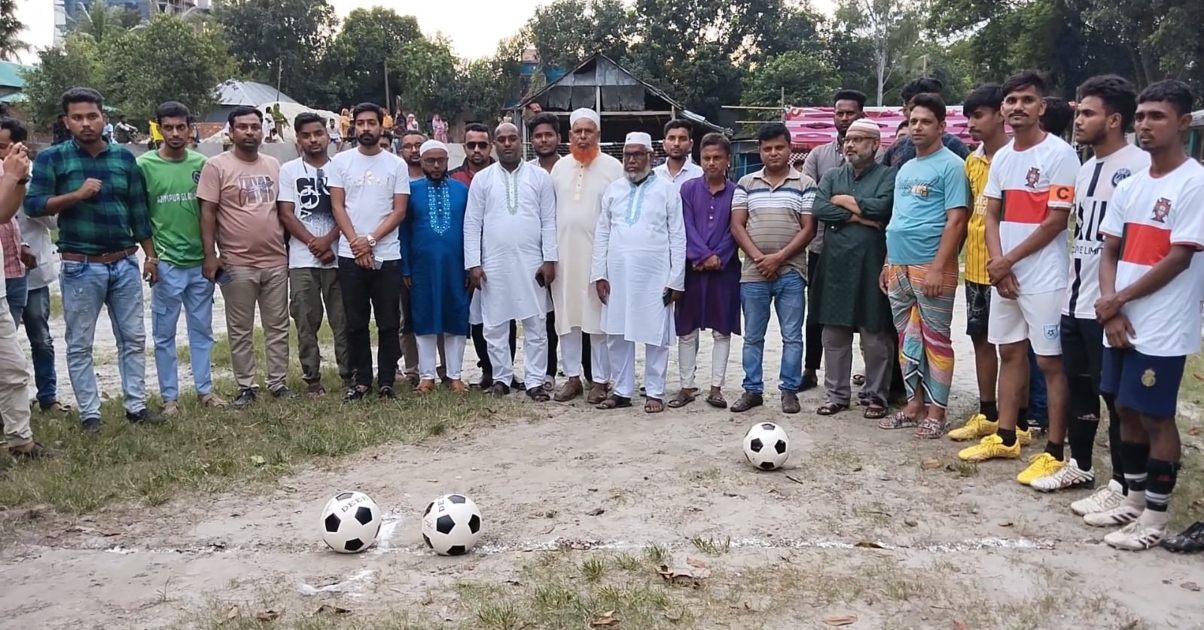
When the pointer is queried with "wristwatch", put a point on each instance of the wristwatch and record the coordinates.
(371, 241)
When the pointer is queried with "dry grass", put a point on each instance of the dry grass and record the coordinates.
(208, 451)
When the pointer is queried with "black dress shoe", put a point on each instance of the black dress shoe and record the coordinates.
(143, 416)
(91, 425)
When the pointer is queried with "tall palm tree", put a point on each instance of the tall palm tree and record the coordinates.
(98, 21)
(10, 31)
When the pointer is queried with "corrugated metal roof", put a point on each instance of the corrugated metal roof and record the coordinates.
(10, 75)
(249, 93)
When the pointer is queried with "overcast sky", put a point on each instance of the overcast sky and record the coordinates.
(474, 26)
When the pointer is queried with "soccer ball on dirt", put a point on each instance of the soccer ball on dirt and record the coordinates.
(766, 446)
(350, 522)
(451, 525)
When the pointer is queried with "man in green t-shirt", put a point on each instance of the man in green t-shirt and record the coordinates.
(171, 175)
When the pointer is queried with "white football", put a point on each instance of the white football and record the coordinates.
(766, 446)
(451, 525)
(350, 522)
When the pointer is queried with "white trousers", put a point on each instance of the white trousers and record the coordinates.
(570, 355)
(428, 355)
(687, 358)
(535, 351)
(622, 367)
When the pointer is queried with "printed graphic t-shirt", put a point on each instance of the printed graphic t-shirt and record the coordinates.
(249, 233)
(306, 188)
(1150, 215)
(1093, 192)
(370, 181)
(926, 188)
(1029, 183)
(175, 213)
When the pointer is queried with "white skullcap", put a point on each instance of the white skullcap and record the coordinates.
(430, 145)
(640, 138)
(866, 126)
(587, 114)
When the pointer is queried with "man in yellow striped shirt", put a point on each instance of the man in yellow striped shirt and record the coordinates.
(985, 124)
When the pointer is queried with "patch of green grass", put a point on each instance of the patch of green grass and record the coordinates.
(712, 546)
(207, 451)
(56, 306)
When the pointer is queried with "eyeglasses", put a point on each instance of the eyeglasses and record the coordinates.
(635, 155)
(411, 147)
(476, 145)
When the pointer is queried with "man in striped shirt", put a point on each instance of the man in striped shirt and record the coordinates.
(772, 224)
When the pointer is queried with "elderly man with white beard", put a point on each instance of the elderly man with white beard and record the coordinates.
(639, 271)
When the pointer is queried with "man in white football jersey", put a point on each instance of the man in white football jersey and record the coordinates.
(1030, 192)
(1106, 105)
(1151, 278)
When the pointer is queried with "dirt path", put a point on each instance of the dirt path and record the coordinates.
(856, 525)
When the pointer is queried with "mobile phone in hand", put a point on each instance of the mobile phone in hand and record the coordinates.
(223, 277)
(667, 296)
(539, 279)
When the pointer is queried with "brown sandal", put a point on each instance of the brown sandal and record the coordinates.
(597, 393)
(716, 400)
(425, 387)
(571, 389)
(654, 405)
(683, 398)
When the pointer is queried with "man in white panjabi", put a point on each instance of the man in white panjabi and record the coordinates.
(510, 255)
(580, 179)
(639, 270)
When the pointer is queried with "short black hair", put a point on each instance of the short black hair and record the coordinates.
(477, 127)
(172, 109)
(678, 123)
(82, 95)
(772, 131)
(368, 107)
(931, 102)
(922, 85)
(307, 118)
(16, 131)
(546, 118)
(1177, 93)
(1116, 93)
(1024, 79)
(387, 135)
(850, 95)
(413, 132)
(1057, 117)
(243, 110)
(989, 95)
(716, 139)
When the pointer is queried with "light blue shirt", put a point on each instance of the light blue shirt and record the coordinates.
(926, 188)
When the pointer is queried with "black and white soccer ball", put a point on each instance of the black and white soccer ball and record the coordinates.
(350, 522)
(766, 446)
(451, 525)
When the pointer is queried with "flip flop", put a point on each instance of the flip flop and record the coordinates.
(614, 402)
(900, 420)
(830, 409)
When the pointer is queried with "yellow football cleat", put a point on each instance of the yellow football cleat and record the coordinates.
(991, 447)
(1040, 465)
(976, 427)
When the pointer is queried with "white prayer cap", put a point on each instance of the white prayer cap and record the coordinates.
(640, 138)
(587, 114)
(865, 126)
(431, 145)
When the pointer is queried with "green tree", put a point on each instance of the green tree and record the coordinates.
(74, 63)
(281, 42)
(10, 31)
(566, 32)
(100, 21)
(426, 73)
(806, 79)
(371, 42)
(892, 27)
(167, 60)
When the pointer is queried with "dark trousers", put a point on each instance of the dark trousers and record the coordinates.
(553, 343)
(478, 343)
(813, 333)
(369, 292)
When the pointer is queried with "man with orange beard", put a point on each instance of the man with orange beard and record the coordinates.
(580, 179)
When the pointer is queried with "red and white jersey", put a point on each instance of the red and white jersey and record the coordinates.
(1150, 215)
(1028, 183)
(1093, 192)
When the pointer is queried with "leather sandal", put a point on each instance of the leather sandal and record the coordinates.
(683, 398)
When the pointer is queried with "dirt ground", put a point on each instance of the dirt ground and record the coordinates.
(862, 523)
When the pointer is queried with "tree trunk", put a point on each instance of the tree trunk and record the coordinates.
(881, 54)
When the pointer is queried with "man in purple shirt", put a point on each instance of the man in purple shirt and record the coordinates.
(712, 297)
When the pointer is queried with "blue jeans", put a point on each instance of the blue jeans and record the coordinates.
(184, 287)
(86, 288)
(1038, 410)
(41, 344)
(16, 291)
(789, 297)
